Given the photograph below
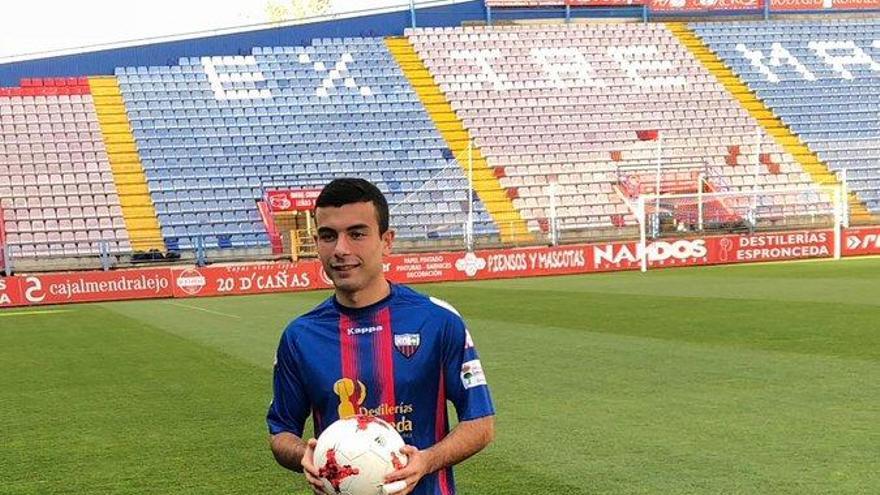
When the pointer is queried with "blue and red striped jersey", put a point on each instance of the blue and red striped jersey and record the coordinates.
(399, 359)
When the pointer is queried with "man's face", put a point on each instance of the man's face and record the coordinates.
(350, 246)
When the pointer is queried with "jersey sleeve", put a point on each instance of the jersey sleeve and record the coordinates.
(290, 405)
(466, 384)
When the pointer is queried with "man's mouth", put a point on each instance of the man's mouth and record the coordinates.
(344, 267)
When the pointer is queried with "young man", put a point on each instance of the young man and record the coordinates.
(379, 349)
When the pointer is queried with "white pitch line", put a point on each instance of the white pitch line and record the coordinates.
(784, 262)
(181, 305)
(38, 312)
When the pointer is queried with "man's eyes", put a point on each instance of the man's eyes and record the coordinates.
(330, 236)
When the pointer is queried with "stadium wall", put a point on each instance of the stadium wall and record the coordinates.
(266, 278)
(104, 62)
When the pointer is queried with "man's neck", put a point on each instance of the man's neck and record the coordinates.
(366, 296)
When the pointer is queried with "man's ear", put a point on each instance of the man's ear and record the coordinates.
(387, 242)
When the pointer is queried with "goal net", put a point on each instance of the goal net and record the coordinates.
(740, 212)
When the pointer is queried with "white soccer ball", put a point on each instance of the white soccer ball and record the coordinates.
(354, 455)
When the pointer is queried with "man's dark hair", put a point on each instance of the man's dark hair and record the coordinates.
(350, 190)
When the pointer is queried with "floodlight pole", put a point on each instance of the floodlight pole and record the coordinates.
(469, 232)
(844, 186)
(640, 210)
(838, 219)
(700, 202)
(756, 171)
(659, 159)
(554, 236)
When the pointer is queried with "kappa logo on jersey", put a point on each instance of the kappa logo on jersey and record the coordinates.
(407, 343)
(365, 330)
(472, 374)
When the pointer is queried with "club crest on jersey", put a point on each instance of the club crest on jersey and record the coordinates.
(407, 343)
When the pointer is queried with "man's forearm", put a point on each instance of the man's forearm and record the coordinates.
(465, 440)
(288, 450)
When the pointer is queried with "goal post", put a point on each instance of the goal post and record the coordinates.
(740, 212)
(4, 252)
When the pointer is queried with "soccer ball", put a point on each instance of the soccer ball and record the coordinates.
(354, 455)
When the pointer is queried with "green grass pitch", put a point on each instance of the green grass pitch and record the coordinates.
(726, 380)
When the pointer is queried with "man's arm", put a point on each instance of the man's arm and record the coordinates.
(295, 454)
(288, 450)
(465, 440)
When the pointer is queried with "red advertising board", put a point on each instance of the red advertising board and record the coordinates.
(247, 279)
(675, 5)
(704, 5)
(794, 5)
(10, 292)
(860, 242)
(855, 4)
(788, 5)
(716, 5)
(2, 240)
(614, 256)
(267, 278)
(292, 199)
(487, 264)
(716, 250)
(597, 3)
(61, 288)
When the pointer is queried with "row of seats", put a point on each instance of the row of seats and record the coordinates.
(831, 114)
(522, 108)
(57, 190)
(204, 145)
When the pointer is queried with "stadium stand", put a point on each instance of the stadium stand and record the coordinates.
(831, 106)
(56, 187)
(582, 105)
(215, 133)
(582, 109)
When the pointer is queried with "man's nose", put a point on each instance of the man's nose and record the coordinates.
(342, 246)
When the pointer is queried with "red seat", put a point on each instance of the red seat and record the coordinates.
(647, 135)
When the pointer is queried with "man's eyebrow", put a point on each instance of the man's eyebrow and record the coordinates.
(359, 226)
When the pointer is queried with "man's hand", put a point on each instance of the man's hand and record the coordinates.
(309, 468)
(417, 466)
(465, 440)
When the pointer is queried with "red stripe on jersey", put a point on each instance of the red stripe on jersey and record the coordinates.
(440, 429)
(383, 350)
(348, 350)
